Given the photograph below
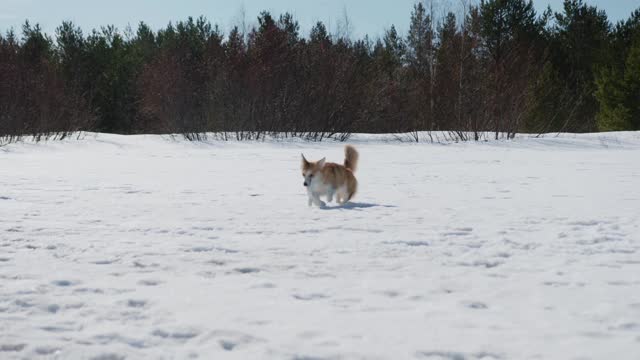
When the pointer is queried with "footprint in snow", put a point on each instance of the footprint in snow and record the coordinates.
(630, 326)
(231, 340)
(63, 283)
(407, 243)
(453, 355)
(309, 297)
(149, 282)
(47, 350)
(226, 251)
(12, 347)
(585, 223)
(22, 303)
(136, 303)
(177, 335)
(247, 270)
(108, 357)
(199, 249)
(204, 228)
(389, 293)
(104, 262)
(487, 264)
(216, 262)
(53, 308)
(463, 231)
(228, 345)
(477, 305)
(264, 286)
(207, 274)
(57, 329)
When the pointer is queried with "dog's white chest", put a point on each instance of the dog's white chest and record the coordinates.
(318, 187)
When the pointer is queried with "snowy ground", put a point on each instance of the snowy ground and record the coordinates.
(142, 247)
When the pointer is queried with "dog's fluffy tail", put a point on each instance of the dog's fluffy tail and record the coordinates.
(350, 158)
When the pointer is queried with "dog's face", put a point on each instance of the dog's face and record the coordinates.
(311, 170)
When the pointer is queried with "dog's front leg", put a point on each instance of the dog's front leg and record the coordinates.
(310, 196)
(330, 194)
(317, 201)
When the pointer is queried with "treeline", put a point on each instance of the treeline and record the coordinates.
(494, 67)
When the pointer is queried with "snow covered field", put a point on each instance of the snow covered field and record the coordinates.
(143, 247)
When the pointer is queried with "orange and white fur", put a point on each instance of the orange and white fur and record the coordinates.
(331, 179)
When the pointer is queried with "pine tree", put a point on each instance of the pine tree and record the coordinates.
(509, 30)
(632, 84)
(395, 48)
(448, 75)
(580, 46)
(618, 94)
(420, 57)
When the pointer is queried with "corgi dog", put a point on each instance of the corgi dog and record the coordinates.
(331, 179)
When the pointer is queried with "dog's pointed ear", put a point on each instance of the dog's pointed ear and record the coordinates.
(321, 163)
(304, 161)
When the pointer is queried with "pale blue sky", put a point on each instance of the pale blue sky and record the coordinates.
(367, 16)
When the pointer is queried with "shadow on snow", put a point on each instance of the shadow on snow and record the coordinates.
(355, 206)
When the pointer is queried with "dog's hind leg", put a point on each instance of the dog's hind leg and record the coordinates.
(342, 196)
(330, 192)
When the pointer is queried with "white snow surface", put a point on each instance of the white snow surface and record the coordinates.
(147, 247)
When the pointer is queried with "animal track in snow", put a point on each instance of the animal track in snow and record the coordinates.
(488, 264)
(47, 350)
(108, 356)
(477, 305)
(63, 283)
(215, 262)
(628, 326)
(453, 355)
(408, 243)
(199, 249)
(53, 308)
(599, 240)
(585, 223)
(463, 231)
(390, 293)
(136, 303)
(149, 282)
(104, 262)
(12, 347)
(246, 270)
(309, 297)
(184, 334)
